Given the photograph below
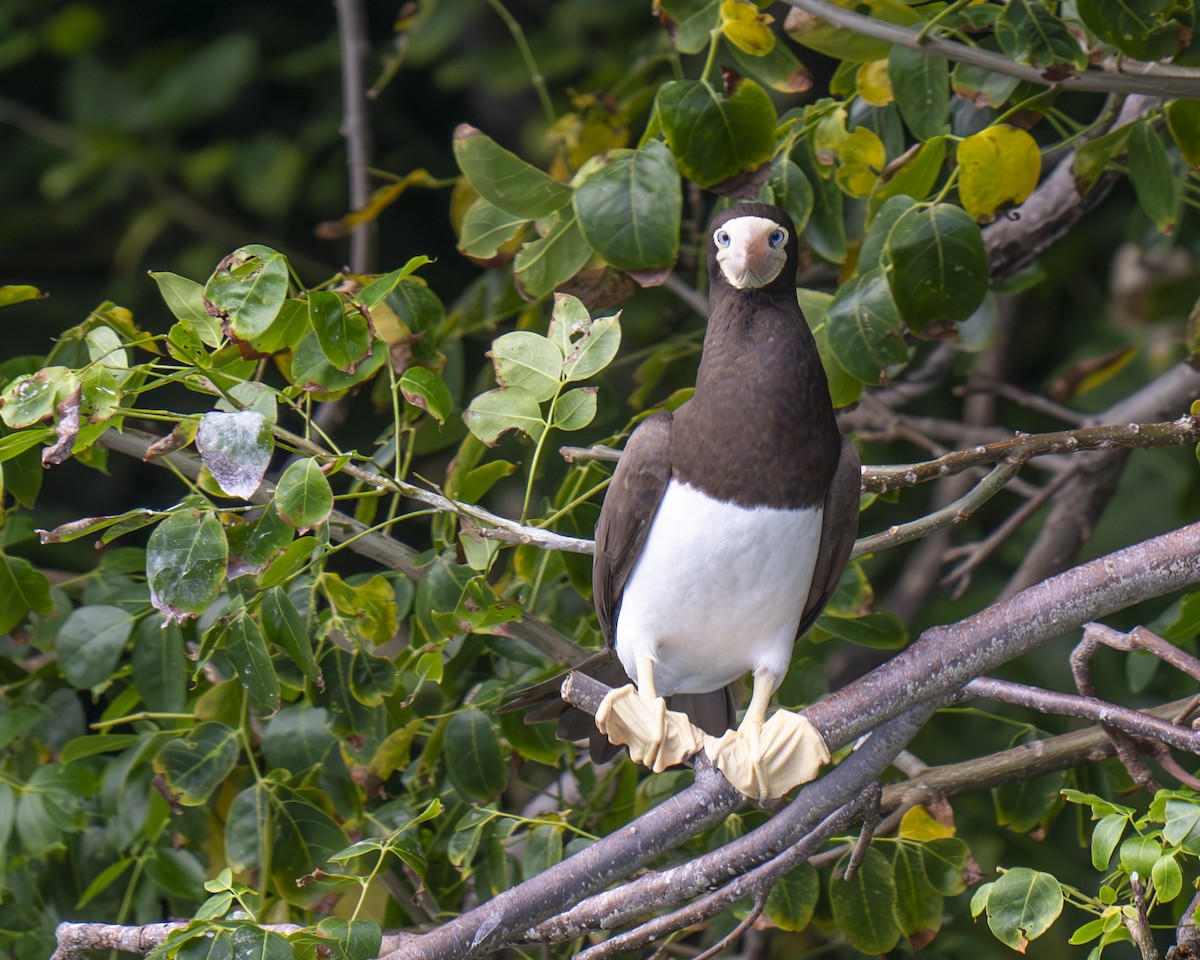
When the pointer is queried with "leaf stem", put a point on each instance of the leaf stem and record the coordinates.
(535, 73)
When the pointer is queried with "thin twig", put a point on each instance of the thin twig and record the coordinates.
(1032, 401)
(870, 799)
(957, 512)
(1155, 85)
(1085, 708)
(976, 553)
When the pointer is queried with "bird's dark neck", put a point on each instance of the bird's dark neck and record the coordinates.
(760, 429)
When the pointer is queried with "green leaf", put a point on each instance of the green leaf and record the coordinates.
(533, 741)
(486, 228)
(1029, 33)
(1167, 877)
(311, 370)
(195, 764)
(1183, 120)
(543, 264)
(1095, 157)
(303, 496)
(863, 908)
(18, 293)
(15, 444)
(939, 265)
(543, 849)
(160, 666)
(284, 628)
(826, 231)
(691, 22)
(629, 208)
(529, 362)
(29, 400)
(998, 168)
(1153, 180)
(217, 947)
(1139, 855)
(714, 137)
(425, 390)
(247, 650)
(865, 331)
(595, 350)
(791, 191)
(1030, 804)
(375, 292)
(1022, 905)
(344, 334)
(474, 758)
(792, 899)
(22, 588)
(1105, 837)
(90, 642)
(237, 449)
(880, 630)
(504, 179)
(945, 860)
(495, 412)
(921, 85)
(844, 389)
(185, 299)
(778, 69)
(982, 87)
(104, 879)
(918, 904)
(249, 287)
(575, 409)
(186, 559)
(1147, 30)
(355, 939)
(251, 942)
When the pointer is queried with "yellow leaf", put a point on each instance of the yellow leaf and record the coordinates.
(746, 28)
(862, 160)
(998, 168)
(917, 824)
(873, 83)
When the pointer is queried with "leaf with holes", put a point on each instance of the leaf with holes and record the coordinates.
(494, 413)
(249, 287)
(529, 362)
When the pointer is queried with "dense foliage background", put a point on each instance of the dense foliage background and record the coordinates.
(330, 695)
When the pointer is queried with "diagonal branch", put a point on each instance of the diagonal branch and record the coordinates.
(1150, 84)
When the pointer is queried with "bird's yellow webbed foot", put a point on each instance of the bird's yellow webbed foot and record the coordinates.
(764, 758)
(639, 719)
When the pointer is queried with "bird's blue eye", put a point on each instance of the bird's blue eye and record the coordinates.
(777, 238)
(722, 238)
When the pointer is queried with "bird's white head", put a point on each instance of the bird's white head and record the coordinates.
(751, 250)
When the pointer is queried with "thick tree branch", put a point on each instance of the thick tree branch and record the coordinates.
(1150, 84)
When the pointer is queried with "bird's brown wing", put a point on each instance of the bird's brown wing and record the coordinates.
(632, 500)
(839, 527)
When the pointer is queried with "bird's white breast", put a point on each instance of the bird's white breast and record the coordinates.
(717, 592)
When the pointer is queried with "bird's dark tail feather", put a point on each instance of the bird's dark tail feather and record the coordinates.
(712, 712)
